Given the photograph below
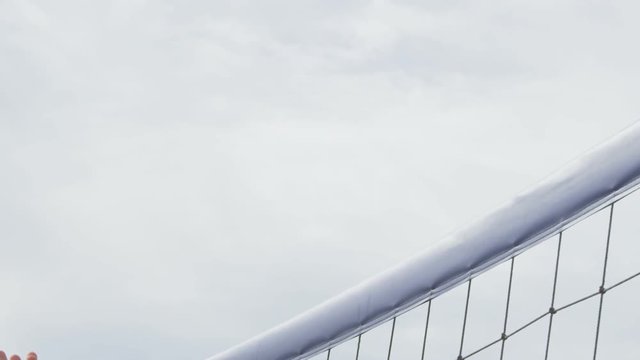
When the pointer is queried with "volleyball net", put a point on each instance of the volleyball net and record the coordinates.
(553, 274)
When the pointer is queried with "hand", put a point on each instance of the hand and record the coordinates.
(30, 356)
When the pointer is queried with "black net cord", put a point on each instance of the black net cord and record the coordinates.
(506, 311)
(426, 330)
(464, 322)
(552, 310)
(393, 330)
(602, 290)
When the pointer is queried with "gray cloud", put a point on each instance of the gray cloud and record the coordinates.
(181, 176)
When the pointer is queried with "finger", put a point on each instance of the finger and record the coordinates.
(14, 357)
(32, 356)
(3, 356)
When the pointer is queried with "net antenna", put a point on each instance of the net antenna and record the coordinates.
(591, 184)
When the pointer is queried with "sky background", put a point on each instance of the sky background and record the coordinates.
(178, 176)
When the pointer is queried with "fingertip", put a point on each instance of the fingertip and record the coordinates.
(32, 356)
(3, 356)
(14, 357)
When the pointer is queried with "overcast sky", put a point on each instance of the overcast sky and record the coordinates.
(178, 176)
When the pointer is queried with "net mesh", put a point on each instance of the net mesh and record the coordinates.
(572, 296)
